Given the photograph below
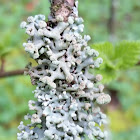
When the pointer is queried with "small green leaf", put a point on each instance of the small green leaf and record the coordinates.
(127, 54)
(106, 51)
(115, 58)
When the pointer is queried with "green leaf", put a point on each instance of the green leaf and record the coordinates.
(127, 54)
(120, 57)
(108, 68)
(106, 51)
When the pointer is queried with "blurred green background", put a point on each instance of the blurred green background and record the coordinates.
(123, 23)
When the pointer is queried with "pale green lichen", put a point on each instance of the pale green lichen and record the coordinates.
(67, 94)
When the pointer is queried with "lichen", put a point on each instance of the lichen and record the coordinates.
(67, 94)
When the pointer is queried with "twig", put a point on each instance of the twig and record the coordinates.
(12, 73)
(2, 65)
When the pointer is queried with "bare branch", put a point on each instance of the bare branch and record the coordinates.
(12, 73)
(2, 64)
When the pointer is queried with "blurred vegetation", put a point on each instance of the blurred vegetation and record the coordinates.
(125, 121)
(16, 91)
(123, 56)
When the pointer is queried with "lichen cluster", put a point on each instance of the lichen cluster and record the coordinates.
(67, 94)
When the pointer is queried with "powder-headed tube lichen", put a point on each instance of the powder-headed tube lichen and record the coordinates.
(67, 94)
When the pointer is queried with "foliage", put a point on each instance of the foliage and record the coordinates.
(129, 92)
(98, 12)
(129, 96)
(116, 58)
(12, 37)
(8, 25)
(13, 106)
(132, 134)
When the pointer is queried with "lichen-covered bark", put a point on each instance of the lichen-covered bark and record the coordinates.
(62, 7)
(67, 95)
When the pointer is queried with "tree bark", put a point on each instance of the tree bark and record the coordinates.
(61, 7)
